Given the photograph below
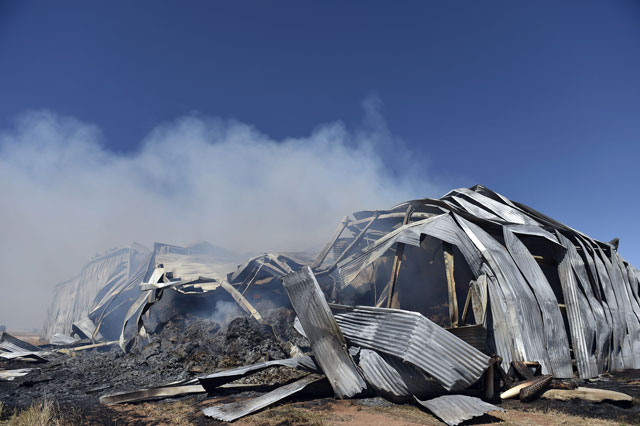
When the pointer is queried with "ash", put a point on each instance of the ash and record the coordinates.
(182, 349)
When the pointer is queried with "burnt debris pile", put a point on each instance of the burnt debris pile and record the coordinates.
(451, 304)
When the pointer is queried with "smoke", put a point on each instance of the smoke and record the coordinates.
(225, 312)
(67, 197)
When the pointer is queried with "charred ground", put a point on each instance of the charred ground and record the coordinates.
(185, 348)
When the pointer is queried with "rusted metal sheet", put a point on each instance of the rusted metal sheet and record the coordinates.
(327, 342)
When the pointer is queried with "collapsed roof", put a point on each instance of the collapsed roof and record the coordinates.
(496, 273)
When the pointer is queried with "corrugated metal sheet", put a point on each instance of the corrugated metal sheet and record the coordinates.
(416, 340)
(455, 409)
(151, 394)
(74, 299)
(235, 410)
(506, 212)
(327, 342)
(60, 339)
(85, 329)
(610, 306)
(594, 308)
(442, 227)
(555, 335)
(9, 343)
(475, 335)
(9, 375)
(581, 322)
(394, 379)
(523, 314)
(600, 290)
(632, 310)
(211, 381)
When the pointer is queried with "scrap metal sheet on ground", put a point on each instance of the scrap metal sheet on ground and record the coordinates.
(211, 381)
(415, 339)
(234, 410)
(455, 409)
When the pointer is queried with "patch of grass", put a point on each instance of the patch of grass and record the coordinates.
(550, 417)
(158, 413)
(44, 413)
(287, 415)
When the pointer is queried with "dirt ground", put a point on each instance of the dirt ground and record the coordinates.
(359, 412)
(181, 350)
(331, 412)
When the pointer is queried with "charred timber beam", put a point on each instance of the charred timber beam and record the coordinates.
(323, 254)
(465, 310)
(397, 263)
(353, 243)
(415, 215)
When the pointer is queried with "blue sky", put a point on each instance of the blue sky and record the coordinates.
(537, 100)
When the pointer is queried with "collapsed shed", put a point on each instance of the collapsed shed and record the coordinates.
(499, 275)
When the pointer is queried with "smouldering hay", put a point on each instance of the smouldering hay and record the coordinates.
(43, 413)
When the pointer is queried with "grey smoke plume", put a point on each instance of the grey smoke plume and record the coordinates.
(66, 197)
(225, 312)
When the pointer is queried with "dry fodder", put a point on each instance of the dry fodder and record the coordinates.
(42, 413)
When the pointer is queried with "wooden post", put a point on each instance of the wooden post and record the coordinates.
(488, 383)
(465, 310)
(447, 250)
(392, 299)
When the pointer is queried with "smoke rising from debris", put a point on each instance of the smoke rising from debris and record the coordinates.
(67, 197)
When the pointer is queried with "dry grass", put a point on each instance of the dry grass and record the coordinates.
(409, 413)
(286, 415)
(158, 413)
(535, 417)
(44, 413)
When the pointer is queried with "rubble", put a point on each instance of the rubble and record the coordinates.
(12, 374)
(425, 303)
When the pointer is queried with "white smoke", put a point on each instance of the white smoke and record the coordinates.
(225, 312)
(66, 197)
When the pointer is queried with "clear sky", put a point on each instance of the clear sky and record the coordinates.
(537, 100)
